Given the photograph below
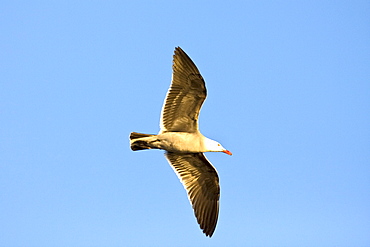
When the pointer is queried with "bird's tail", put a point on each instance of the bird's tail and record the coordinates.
(140, 141)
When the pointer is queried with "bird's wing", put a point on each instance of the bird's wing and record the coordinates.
(185, 96)
(201, 182)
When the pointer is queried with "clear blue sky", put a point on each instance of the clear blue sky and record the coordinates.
(288, 93)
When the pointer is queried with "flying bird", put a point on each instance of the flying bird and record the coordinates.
(180, 137)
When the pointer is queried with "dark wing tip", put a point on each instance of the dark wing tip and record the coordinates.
(180, 52)
(178, 48)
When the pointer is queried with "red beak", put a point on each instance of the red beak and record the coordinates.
(227, 152)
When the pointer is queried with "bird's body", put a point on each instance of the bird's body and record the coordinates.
(183, 142)
(178, 142)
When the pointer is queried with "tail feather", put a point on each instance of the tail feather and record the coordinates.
(139, 145)
(138, 141)
(135, 135)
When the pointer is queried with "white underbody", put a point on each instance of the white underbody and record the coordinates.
(178, 142)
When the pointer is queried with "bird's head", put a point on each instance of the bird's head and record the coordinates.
(213, 146)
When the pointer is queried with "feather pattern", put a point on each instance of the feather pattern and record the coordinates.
(185, 96)
(201, 182)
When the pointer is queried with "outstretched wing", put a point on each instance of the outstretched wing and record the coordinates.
(185, 96)
(201, 182)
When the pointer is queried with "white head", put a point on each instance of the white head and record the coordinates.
(213, 146)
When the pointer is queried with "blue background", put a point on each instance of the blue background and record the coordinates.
(288, 93)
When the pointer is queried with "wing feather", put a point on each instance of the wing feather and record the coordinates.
(201, 182)
(185, 96)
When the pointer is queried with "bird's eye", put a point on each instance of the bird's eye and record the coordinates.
(219, 144)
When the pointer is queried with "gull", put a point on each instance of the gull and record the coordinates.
(180, 137)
